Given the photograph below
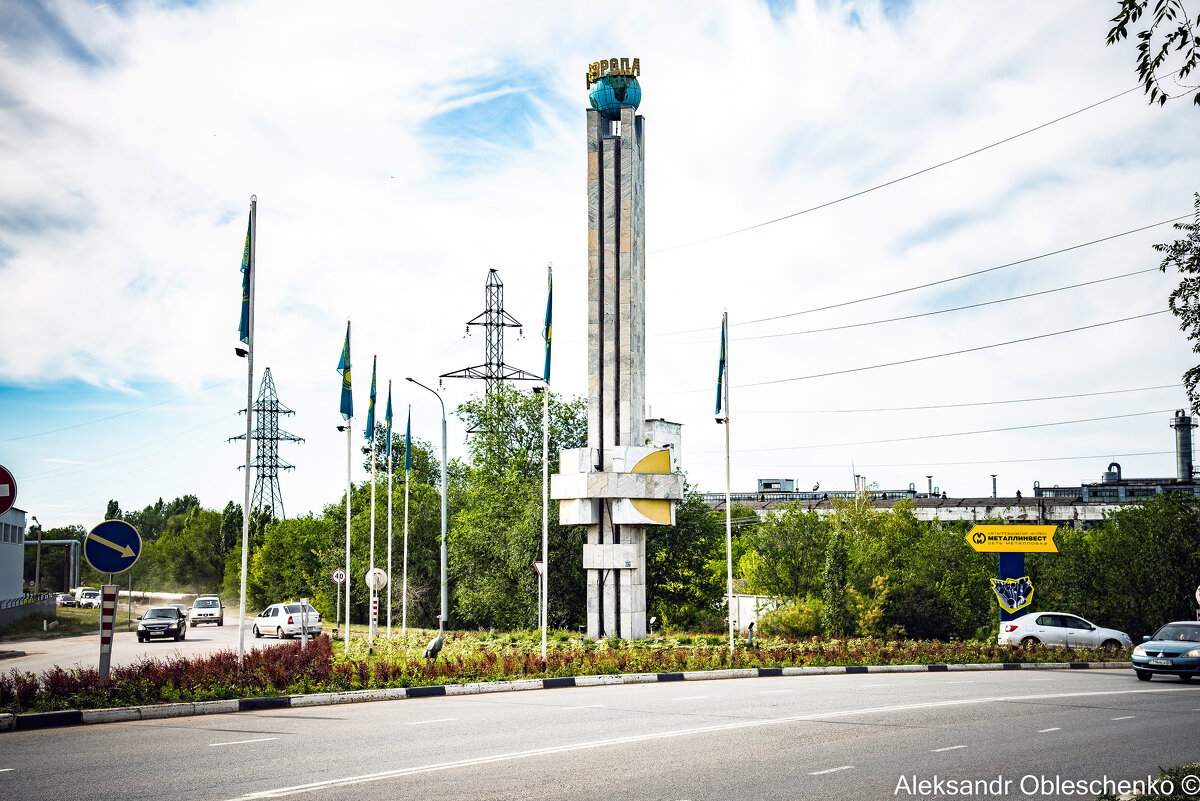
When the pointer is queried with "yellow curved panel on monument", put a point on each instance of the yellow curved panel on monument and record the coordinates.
(657, 462)
(658, 511)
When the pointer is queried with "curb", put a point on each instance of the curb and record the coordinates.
(76, 717)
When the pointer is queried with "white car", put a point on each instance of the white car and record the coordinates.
(286, 620)
(207, 609)
(89, 599)
(1059, 630)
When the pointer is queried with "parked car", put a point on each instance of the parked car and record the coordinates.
(207, 609)
(1059, 630)
(64, 599)
(284, 620)
(1173, 650)
(162, 621)
(89, 599)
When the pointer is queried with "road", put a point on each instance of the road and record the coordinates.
(68, 652)
(831, 737)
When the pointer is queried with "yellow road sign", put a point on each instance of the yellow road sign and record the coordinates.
(1012, 538)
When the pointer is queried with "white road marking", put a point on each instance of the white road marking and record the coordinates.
(830, 770)
(1055, 728)
(585, 706)
(435, 720)
(947, 748)
(347, 781)
(6, 770)
(243, 742)
(688, 697)
(772, 692)
(1126, 717)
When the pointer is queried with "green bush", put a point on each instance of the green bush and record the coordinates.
(794, 620)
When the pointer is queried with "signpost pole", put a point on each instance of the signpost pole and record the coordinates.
(108, 613)
(249, 415)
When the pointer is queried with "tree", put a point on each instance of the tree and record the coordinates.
(1171, 29)
(426, 462)
(836, 618)
(785, 553)
(506, 430)
(683, 588)
(1184, 256)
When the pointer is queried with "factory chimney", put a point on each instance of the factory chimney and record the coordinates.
(1183, 425)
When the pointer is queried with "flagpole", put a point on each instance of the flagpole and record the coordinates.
(407, 471)
(349, 490)
(249, 413)
(544, 578)
(728, 507)
(391, 459)
(373, 624)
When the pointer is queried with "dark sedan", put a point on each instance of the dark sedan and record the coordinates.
(1174, 650)
(162, 621)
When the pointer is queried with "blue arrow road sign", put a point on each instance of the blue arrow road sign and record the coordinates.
(113, 546)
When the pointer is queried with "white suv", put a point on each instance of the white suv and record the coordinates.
(207, 609)
(286, 620)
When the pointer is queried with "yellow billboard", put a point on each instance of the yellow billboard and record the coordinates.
(1012, 538)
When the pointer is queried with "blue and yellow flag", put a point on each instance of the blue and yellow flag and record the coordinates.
(370, 430)
(387, 415)
(344, 369)
(546, 330)
(408, 443)
(244, 326)
(721, 371)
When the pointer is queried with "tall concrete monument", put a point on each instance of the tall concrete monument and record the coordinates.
(620, 483)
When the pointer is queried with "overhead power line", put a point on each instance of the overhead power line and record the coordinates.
(956, 433)
(951, 279)
(946, 311)
(961, 405)
(942, 355)
(862, 465)
(118, 414)
(922, 171)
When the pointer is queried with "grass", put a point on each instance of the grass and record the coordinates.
(72, 622)
(324, 666)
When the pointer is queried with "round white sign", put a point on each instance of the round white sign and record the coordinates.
(339, 575)
(1198, 595)
(376, 578)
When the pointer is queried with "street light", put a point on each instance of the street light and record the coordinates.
(445, 599)
(37, 562)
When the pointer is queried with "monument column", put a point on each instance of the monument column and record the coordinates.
(617, 485)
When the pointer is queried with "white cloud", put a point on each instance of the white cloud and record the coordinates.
(127, 182)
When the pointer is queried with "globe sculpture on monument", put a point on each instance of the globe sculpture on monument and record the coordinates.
(620, 483)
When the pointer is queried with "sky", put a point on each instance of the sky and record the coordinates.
(801, 158)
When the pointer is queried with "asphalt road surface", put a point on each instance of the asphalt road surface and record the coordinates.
(70, 652)
(864, 736)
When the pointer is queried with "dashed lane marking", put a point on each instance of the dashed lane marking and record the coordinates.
(830, 770)
(435, 720)
(243, 742)
(947, 748)
(1054, 728)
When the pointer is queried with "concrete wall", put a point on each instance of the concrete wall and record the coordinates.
(12, 553)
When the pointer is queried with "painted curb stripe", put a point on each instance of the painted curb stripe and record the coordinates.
(41, 720)
(255, 704)
(49, 720)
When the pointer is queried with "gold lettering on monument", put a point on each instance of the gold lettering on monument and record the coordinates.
(612, 66)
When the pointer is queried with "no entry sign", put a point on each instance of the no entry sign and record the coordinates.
(8, 490)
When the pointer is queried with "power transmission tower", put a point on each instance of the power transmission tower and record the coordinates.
(494, 320)
(268, 435)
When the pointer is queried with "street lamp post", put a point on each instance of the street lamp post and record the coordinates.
(37, 562)
(445, 597)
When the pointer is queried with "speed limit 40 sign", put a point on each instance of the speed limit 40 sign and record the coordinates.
(339, 576)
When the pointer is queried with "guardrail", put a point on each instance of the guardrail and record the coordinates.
(11, 603)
